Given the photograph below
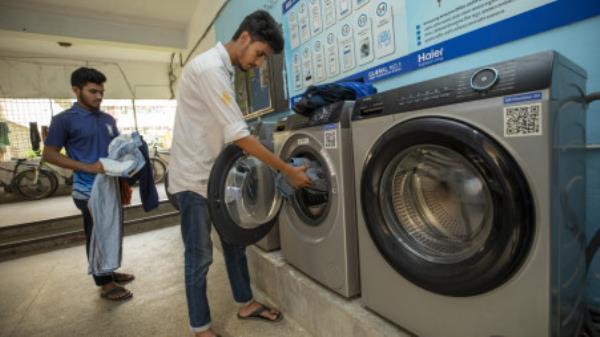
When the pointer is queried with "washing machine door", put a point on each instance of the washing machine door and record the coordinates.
(242, 197)
(447, 206)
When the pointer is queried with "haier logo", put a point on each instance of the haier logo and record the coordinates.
(430, 56)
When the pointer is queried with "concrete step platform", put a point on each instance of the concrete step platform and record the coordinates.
(315, 308)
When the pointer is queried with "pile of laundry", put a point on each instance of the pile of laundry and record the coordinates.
(127, 163)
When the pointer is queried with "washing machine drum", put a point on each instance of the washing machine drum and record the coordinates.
(311, 204)
(447, 206)
(443, 205)
(317, 193)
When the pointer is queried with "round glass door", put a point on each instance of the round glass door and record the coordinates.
(251, 196)
(242, 197)
(447, 206)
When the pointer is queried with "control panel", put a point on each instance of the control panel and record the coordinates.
(524, 74)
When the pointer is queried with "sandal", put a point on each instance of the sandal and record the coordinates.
(117, 294)
(256, 314)
(122, 278)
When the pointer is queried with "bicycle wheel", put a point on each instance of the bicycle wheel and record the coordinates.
(26, 187)
(158, 170)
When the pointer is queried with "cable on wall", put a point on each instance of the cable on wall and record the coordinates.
(172, 76)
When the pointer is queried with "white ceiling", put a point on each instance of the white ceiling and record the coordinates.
(134, 30)
(173, 13)
(17, 44)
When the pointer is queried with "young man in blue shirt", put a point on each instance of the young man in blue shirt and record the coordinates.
(85, 131)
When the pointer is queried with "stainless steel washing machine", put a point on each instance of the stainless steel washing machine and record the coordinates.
(470, 201)
(317, 226)
(318, 229)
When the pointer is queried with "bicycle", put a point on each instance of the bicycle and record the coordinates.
(33, 183)
(159, 165)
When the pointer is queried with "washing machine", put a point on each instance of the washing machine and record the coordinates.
(470, 193)
(317, 227)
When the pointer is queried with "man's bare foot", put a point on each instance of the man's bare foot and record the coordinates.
(115, 292)
(206, 333)
(260, 311)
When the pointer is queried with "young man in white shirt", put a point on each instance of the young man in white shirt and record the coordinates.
(207, 118)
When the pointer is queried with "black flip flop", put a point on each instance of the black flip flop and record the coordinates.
(114, 291)
(122, 278)
(256, 315)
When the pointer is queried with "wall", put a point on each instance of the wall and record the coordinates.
(232, 16)
(201, 19)
(579, 41)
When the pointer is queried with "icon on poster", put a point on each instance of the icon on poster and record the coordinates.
(384, 30)
(365, 48)
(384, 39)
(382, 9)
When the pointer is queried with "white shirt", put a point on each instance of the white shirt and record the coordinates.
(206, 119)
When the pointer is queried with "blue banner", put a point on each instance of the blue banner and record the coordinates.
(471, 25)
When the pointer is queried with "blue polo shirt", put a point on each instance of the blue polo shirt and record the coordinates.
(85, 135)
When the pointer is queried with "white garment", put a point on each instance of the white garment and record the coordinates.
(207, 118)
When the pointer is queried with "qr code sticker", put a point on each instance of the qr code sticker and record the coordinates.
(523, 120)
(330, 139)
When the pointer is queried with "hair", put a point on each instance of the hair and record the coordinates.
(83, 75)
(262, 27)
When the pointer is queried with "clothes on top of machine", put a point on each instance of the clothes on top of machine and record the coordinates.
(317, 96)
(105, 204)
(4, 139)
(34, 136)
(145, 176)
(318, 179)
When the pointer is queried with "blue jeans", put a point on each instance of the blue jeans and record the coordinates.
(195, 231)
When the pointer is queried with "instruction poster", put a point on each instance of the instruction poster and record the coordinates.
(371, 40)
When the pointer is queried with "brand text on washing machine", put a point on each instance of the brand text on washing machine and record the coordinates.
(430, 55)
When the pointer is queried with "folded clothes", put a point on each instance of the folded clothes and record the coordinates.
(118, 168)
(125, 159)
